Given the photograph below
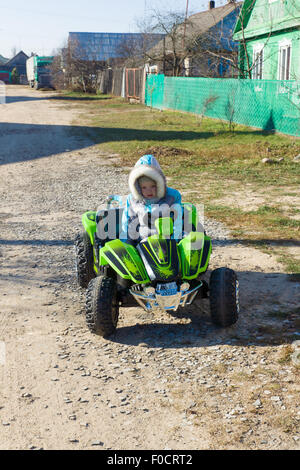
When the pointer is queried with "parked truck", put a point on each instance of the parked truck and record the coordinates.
(38, 71)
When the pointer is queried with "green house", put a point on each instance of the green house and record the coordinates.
(268, 32)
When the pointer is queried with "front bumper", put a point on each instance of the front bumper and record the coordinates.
(168, 300)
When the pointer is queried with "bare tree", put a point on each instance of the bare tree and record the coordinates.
(172, 50)
(195, 45)
(13, 51)
(76, 68)
(128, 54)
(57, 72)
(202, 44)
(132, 52)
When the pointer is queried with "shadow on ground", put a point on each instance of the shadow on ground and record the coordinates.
(268, 314)
(201, 332)
(36, 242)
(265, 318)
(25, 142)
(17, 99)
(218, 242)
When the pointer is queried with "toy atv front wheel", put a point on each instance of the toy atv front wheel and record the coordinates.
(102, 306)
(84, 259)
(224, 297)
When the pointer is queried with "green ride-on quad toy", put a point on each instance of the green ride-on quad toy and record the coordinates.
(160, 272)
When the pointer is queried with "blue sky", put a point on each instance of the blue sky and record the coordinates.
(43, 26)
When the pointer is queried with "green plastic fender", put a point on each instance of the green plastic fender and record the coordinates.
(190, 212)
(194, 252)
(89, 223)
(125, 260)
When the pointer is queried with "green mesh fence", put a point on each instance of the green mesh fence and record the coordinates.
(154, 90)
(264, 104)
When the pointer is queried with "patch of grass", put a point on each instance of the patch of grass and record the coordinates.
(285, 356)
(219, 368)
(241, 377)
(292, 265)
(80, 96)
(274, 330)
(266, 210)
(278, 314)
(286, 423)
(259, 223)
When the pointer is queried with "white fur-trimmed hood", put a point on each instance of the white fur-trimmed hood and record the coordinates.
(148, 166)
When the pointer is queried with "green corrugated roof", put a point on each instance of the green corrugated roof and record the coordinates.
(244, 16)
(289, 18)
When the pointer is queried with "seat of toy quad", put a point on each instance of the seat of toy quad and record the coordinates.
(109, 222)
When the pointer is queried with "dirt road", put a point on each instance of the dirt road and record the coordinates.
(164, 382)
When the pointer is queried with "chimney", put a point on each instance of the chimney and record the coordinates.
(211, 5)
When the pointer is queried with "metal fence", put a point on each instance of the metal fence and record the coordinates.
(110, 82)
(271, 105)
(128, 83)
(134, 83)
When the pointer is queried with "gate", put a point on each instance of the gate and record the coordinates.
(133, 83)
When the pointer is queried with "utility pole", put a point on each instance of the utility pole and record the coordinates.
(186, 15)
(184, 30)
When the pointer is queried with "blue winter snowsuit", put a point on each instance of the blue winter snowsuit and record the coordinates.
(140, 213)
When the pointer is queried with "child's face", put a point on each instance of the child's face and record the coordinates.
(148, 189)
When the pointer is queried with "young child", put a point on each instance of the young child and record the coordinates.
(149, 199)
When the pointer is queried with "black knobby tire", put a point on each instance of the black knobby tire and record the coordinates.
(102, 306)
(224, 297)
(84, 259)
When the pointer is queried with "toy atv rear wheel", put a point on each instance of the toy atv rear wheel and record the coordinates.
(224, 297)
(102, 306)
(84, 259)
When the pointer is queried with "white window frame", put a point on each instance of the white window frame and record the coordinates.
(258, 61)
(284, 73)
